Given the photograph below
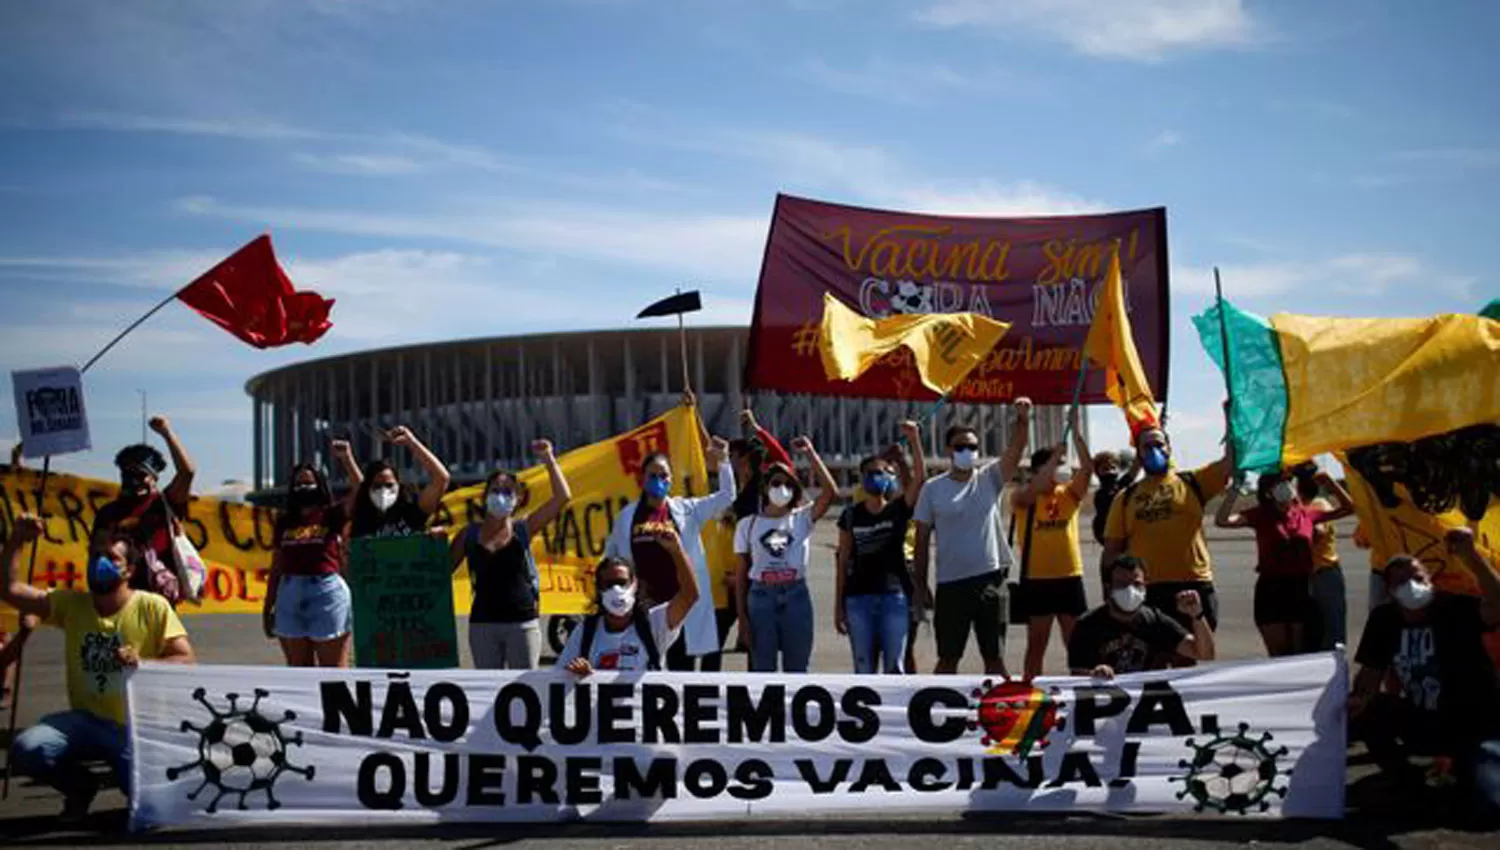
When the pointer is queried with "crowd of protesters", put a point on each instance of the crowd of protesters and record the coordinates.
(910, 546)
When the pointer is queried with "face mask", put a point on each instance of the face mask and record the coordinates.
(382, 498)
(1413, 595)
(879, 484)
(964, 458)
(1282, 493)
(500, 504)
(134, 483)
(104, 575)
(658, 487)
(1128, 599)
(304, 494)
(1062, 475)
(617, 600)
(780, 496)
(1154, 460)
(1108, 480)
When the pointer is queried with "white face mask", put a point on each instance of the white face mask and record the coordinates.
(499, 504)
(1128, 599)
(617, 600)
(964, 458)
(1283, 493)
(780, 496)
(382, 498)
(1413, 595)
(1062, 475)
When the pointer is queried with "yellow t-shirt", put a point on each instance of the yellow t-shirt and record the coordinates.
(1161, 523)
(1054, 553)
(95, 683)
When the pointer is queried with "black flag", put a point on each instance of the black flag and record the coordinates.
(682, 302)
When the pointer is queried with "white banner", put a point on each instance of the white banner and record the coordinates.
(358, 746)
(49, 411)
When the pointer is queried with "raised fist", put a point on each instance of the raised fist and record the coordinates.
(160, 425)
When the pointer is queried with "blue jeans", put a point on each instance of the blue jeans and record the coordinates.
(1327, 586)
(781, 625)
(54, 750)
(878, 624)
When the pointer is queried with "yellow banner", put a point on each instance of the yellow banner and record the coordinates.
(945, 347)
(603, 479)
(1407, 530)
(236, 539)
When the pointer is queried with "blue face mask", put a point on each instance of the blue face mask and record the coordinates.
(658, 487)
(104, 575)
(1154, 460)
(879, 484)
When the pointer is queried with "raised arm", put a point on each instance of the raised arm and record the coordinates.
(828, 488)
(183, 470)
(14, 589)
(1226, 517)
(1201, 645)
(437, 485)
(1343, 502)
(690, 401)
(1461, 543)
(706, 507)
(687, 580)
(1080, 483)
(344, 454)
(1011, 461)
(912, 488)
(561, 492)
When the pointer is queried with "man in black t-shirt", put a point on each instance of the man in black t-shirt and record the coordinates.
(1125, 635)
(1433, 642)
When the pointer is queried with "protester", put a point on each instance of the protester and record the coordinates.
(307, 606)
(1159, 520)
(1052, 585)
(1115, 470)
(637, 539)
(1329, 593)
(626, 632)
(962, 506)
(504, 620)
(109, 629)
(148, 516)
(1284, 556)
(1432, 641)
(872, 581)
(776, 610)
(1129, 635)
(386, 507)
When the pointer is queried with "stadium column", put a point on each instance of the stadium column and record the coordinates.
(595, 432)
(258, 425)
(616, 426)
(735, 388)
(489, 403)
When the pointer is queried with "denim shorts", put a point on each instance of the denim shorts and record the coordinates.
(313, 607)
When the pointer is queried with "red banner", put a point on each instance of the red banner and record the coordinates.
(1040, 275)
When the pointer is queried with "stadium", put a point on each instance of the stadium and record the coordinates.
(479, 403)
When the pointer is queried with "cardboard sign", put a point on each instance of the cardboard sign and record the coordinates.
(49, 411)
(403, 603)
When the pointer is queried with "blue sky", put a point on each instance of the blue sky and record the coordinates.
(468, 168)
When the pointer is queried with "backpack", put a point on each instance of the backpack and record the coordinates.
(642, 624)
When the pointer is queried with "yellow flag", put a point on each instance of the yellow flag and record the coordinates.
(945, 346)
(1111, 344)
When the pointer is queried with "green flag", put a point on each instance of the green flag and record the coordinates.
(1258, 385)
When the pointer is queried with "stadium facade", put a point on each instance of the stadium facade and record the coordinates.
(479, 403)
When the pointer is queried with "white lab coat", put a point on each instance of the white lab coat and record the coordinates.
(700, 632)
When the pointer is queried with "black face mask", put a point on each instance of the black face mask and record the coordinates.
(303, 497)
(1108, 480)
(133, 483)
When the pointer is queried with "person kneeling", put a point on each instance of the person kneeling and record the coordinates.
(623, 634)
(110, 628)
(1125, 635)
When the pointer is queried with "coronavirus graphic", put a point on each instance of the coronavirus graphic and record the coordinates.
(240, 751)
(1015, 716)
(1233, 773)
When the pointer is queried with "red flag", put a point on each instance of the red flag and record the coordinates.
(250, 296)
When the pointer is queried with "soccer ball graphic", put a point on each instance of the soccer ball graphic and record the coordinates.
(241, 751)
(911, 297)
(1232, 773)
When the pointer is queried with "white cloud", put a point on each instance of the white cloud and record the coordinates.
(1143, 30)
(887, 81)
(1369, 274)
(360, 163)
(229, 128)
(1165, 139)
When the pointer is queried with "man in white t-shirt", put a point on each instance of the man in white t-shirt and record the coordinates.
(962, 506)
(624, 635)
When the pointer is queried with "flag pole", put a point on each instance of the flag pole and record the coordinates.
(133, 325)
(15, 699)
(687, 382)
(1228, 382)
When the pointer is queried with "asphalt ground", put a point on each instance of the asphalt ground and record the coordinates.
(1380, 815)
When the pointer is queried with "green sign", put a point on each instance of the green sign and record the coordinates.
(403, 603)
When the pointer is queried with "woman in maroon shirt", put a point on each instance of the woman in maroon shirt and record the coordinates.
(308, 605)
(1284, 548)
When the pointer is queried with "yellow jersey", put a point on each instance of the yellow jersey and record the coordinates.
(95, 680)
(1161, 522)
(1054, 550)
